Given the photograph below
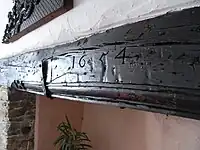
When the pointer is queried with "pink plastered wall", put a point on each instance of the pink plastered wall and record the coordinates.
(112, 128)
(49, 113)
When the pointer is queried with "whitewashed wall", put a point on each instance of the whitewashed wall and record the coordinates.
(87, 17)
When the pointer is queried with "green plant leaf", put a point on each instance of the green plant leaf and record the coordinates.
(68, 122)
(86, 145)
(63, 130)
(70, 138)
(60, 138)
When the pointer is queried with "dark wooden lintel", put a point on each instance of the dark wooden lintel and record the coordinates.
(152, 65)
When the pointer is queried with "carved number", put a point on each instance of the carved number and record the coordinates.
(102, 58)
(122, 55)
(103, 64)
(73, 61)
(82, 61)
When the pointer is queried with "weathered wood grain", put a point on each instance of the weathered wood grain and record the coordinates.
(152, 65)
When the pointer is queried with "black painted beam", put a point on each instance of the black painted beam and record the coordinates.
(152, 65)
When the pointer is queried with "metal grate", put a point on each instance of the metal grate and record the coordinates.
(44, 8)
(42, 12)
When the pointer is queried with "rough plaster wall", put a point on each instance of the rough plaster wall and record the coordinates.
(4, 121)
(111, 128)
(49, 113)
(171, 133)
(86, 18)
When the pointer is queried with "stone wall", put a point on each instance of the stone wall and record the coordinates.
(4, 121)
(21, 114)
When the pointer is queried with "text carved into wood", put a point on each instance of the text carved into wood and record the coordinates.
(154, 70)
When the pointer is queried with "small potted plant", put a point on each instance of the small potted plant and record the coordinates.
(70, 138)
